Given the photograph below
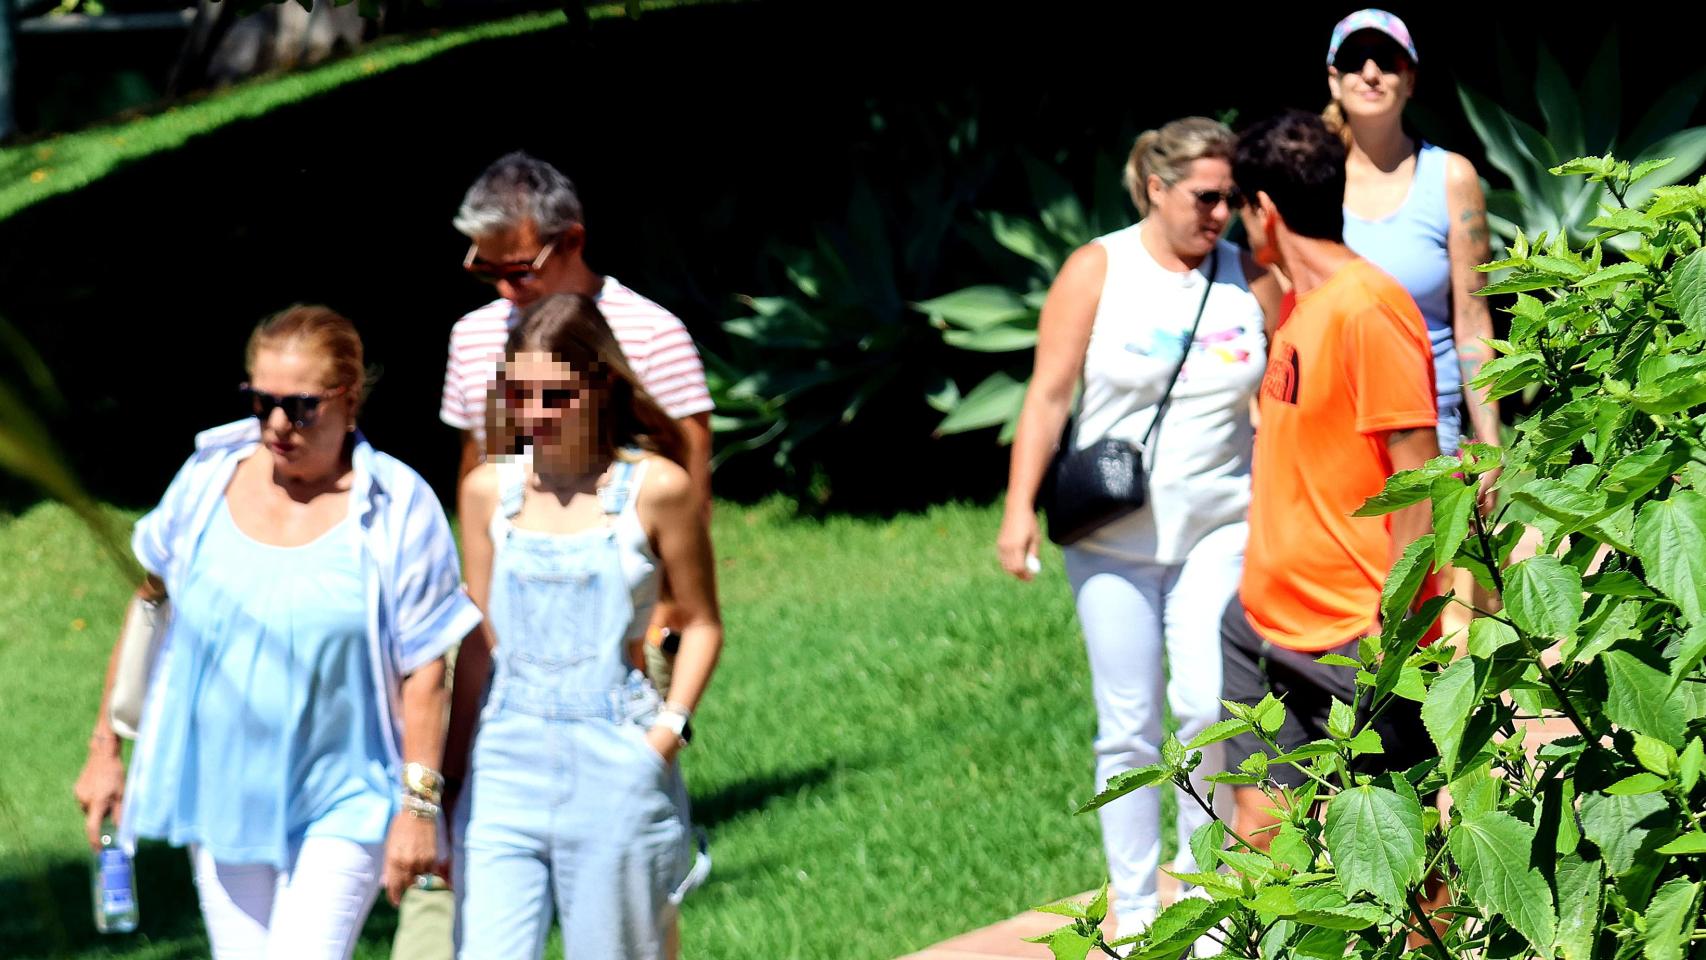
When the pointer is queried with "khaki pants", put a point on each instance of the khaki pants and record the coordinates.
(424, 925)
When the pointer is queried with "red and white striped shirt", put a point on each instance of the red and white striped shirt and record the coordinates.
(656, 344)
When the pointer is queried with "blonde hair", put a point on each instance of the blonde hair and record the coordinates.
(317, 331)
(1169, 152)
(1333, 114)
(571, 329)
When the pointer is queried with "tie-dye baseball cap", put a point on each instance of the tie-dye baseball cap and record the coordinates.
(1372, 19)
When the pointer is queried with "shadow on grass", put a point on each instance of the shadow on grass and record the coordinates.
(48, 912)
(55, 916)
(752, 795)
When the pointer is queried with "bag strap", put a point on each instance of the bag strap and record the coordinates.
(1191, 338)
(1066, 429)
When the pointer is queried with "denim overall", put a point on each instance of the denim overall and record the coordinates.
(567, 799)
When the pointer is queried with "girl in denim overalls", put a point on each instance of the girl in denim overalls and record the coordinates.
(572, 794)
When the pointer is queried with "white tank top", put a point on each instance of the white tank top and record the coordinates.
(1199, 467)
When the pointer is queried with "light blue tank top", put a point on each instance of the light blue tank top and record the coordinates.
(280, 737)
(1411, 245)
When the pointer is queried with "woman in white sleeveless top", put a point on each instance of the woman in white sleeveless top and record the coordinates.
(1152, 585)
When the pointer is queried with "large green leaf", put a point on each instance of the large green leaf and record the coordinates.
(1179, 926)
(1405, 580)
(1451, 699)
(1375, 838)
(1027, 238)
(1569, 505)
(1625, 829)
(1639, 697)
(1291, 849)
(977, 308)
(1493, 851)
(1453, 502)
(1217, 732)
(1688, 287)
(1639, 473)
(989, 403)
(1691, 764)
(1613, 623)
(1126, 782)
(1004, 338)
(1066, 943)
(1402, 489)
(1581, 886)
(1670, 920)
(1488, 635)
(1544, 597)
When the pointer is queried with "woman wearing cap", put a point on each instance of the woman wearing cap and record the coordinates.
(1153, 583)
(1416, 211)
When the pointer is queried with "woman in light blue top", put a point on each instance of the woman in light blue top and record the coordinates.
(1416, 211)
(292, 727)
(573, 800)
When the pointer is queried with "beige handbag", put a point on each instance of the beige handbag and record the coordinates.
(145, 624)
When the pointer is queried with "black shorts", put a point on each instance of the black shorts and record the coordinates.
(1252, 668)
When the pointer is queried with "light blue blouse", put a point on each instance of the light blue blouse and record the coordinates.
(279, 737)
(412, 605)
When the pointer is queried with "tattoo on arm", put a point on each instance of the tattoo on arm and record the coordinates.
(1474, 220)
(1395, 437)
(1472, 356)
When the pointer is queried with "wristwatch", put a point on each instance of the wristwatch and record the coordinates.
(677, 720)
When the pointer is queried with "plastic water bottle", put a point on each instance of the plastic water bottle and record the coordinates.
(114, 886)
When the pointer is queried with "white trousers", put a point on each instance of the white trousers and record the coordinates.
(312, 911)
(1136, 618)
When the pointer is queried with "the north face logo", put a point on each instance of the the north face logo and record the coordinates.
(1281, 379)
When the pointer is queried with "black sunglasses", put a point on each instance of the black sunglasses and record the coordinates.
(1211, 198)
(515, 271)
(1389, 57)
(301, 409)
(554, 397)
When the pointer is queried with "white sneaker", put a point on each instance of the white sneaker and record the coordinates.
(1206, 946)
(1130, 923)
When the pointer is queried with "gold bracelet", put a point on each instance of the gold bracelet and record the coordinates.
(423, 781)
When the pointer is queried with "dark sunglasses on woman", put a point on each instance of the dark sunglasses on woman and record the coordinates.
(301, 409)
(1209, 199)
(1387, 56)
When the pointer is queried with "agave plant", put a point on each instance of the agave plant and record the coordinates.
(842, 336)
(1002, 318)
(1579, 121)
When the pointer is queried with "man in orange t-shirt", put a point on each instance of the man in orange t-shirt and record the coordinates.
(1348, 400)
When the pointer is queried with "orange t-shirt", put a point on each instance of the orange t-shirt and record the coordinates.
(1349, 364)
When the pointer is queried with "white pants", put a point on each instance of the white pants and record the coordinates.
(312, 911)
(1133, 616)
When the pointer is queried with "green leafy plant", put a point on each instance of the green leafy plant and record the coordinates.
(1576, 120)
(838, 346)
(812, 359)
(1592, 845)
(1001, 318)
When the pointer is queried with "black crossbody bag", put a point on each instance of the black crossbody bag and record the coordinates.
(1086, 489)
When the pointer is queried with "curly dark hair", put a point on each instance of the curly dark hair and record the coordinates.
(1300, 165)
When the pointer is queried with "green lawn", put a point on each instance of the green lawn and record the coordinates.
(889, 755)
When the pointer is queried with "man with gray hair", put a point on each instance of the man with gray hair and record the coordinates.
(527, 238)
(529, 241)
